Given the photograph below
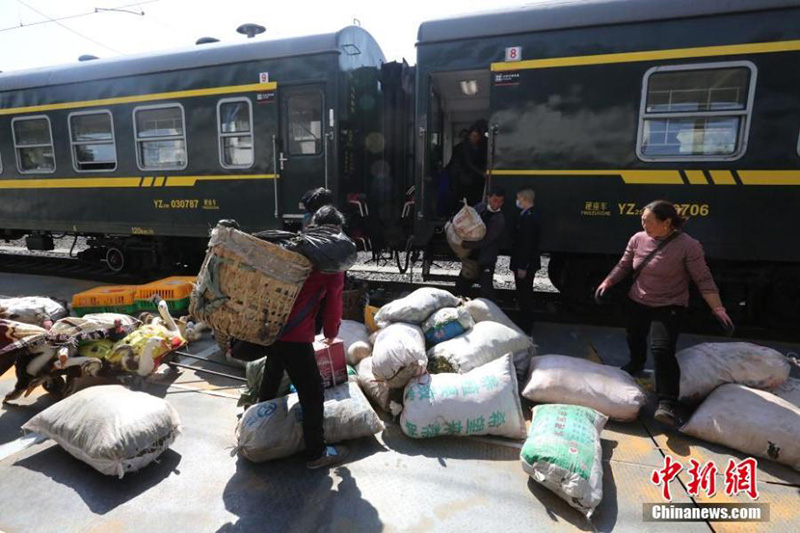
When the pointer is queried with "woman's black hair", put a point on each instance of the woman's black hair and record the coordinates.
(665, 210)
(328, 215)
(316, 198)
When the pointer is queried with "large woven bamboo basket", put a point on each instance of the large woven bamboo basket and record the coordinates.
(247, 287)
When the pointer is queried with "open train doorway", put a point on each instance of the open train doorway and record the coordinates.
(457, 140)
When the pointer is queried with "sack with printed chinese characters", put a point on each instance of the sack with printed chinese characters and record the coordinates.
(484, 401)
(563, 453)
(752, 421)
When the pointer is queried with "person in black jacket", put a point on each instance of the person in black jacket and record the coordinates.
(483, 258)
(525, 256)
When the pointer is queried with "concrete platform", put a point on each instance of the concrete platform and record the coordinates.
(391, 484)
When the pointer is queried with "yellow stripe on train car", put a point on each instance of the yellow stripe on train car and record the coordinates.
(136, 98)
(663, 177)
(670, 177)
(124, 182)
(650, 55)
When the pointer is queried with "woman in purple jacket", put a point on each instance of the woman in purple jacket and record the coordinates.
(659, 296)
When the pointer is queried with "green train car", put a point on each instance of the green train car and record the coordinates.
(603, 106)
(144, 154)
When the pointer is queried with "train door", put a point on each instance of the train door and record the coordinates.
(302, 157)
(456, 164)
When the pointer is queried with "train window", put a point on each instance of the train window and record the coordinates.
(696, 112)
(235, 129)
(91, 135)
(305, 124)
(33, 143)
(160, 137)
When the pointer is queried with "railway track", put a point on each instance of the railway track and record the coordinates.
(66, 267)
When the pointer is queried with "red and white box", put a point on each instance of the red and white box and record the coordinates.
(331, 362)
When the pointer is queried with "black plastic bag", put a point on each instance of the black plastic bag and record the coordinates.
(327, 247)
(276, 236)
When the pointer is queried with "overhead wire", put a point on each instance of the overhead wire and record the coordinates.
(79, 34)
(76, 15)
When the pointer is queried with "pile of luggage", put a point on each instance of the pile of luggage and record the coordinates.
(129, 430)
(53, 349)
(446, 367)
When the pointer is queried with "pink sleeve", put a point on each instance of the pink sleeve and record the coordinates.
(333, 306)
(625, 265)
(698, 269)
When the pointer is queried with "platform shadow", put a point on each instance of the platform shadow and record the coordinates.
(100, 492)
(444, 448)
(314, 500)
(14, 415)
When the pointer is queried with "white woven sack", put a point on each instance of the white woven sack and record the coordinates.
(789, 390)
(706, 366)
(574, 381)
(484, 343)
(483, 310)
(468, 224)
(377, 391)
(399, 354)
(484, 401)
(564, 454)
(455, 242)
(109, 427)
(31, 309)
(752, 421)
(416, 307)
(274, 429)
(355, 337)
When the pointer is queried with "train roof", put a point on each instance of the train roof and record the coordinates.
(563, 14)
(182, 59)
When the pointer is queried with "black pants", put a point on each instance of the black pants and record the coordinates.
(524, 291)
(297, 359)
(485, 280)
(662, 324)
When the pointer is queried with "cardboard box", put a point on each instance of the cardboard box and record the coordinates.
(331, 362)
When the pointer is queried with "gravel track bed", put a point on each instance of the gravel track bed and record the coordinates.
(503, 277)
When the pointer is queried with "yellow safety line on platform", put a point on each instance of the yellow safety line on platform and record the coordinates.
(228, 89)
(650, 55)
(125, 182)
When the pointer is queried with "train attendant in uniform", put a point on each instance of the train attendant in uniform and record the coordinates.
(294, 351)
(525, 256)
(662, 260)
(483, 258)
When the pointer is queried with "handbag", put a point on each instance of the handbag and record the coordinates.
(619, 291)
